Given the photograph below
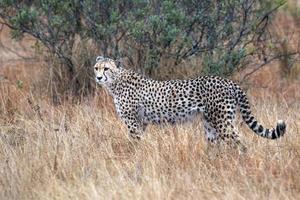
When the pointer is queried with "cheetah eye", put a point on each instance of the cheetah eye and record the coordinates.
(96, 68)
(105, 69)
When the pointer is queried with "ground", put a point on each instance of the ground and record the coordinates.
(78, 152)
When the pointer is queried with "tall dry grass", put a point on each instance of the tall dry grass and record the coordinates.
(82, 151)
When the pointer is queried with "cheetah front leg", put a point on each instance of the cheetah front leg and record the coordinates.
(134, 125)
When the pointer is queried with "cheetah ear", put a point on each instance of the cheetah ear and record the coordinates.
(99, 58)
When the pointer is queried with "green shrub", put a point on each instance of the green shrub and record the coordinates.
(220, 32)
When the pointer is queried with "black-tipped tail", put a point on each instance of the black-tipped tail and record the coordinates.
(279, 131)
(274, 133)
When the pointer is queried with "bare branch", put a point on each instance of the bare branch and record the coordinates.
(276, 57)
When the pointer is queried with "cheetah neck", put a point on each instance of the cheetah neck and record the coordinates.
(124, 79)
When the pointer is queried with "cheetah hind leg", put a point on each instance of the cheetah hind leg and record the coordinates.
(224, 134)
(231, 138)
(213, 148)
(210, 132)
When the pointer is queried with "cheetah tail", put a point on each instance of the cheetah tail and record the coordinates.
(273, 133)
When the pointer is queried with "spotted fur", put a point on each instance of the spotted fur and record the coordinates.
(140, 101)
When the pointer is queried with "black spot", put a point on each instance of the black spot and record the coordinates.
(278, 130)
(253, 125)
(260, 129)
(274, 135)
(250, 120)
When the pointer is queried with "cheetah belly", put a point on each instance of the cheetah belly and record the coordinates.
(168, 113)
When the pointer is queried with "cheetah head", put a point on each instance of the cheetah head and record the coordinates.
(105, 70)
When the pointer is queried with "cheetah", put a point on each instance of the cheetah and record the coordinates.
(140, 101)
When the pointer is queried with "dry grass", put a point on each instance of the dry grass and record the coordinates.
(81, 151)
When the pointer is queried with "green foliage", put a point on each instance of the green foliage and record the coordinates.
(219, 32)
(20, 84)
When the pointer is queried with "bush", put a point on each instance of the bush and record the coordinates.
(224, 34)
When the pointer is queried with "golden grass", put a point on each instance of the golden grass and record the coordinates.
(82, 151)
